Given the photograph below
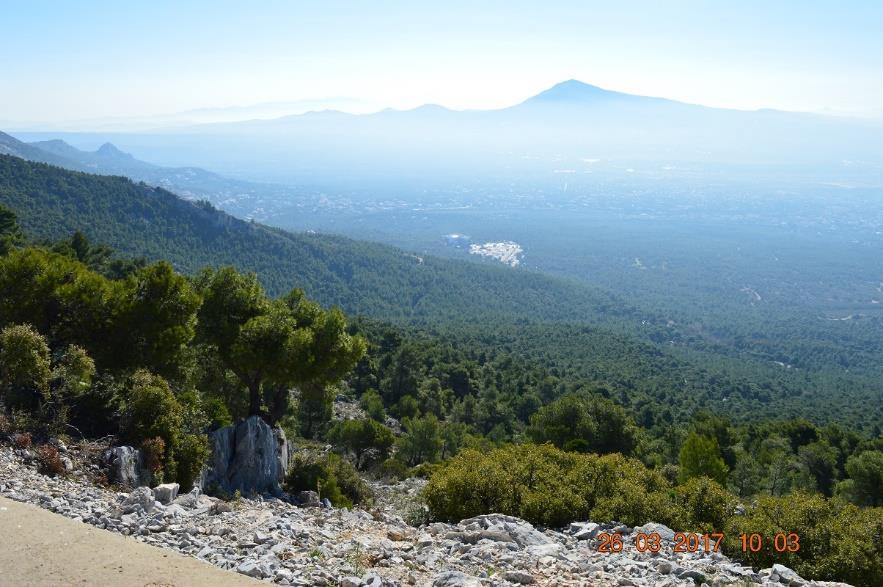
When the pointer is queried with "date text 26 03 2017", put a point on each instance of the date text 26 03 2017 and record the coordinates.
(692, 542)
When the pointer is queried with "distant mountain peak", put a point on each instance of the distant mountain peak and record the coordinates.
(110, 150)
(574, 90)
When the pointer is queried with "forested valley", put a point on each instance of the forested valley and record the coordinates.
(127, 311)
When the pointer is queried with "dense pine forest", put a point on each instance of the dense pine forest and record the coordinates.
(125, 310)
(594, 336)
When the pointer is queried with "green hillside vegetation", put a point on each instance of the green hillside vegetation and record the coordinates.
(569, 330)
(363, 278)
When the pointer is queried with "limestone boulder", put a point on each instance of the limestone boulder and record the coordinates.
(249, 457)
(125, 465)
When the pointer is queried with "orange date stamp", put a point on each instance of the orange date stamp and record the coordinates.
(693, 542)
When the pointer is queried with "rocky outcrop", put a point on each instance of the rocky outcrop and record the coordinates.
(126, 467)
(249, 457)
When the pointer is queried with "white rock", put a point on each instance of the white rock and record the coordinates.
(519, 577)
(787, 576)
(540, 550)
(585, 531)
(141, 497)
(664, 567)
(665, 532)
(455, 579)
(253, 569)
(166, 493)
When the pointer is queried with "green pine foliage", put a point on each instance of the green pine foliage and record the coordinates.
(572, 331)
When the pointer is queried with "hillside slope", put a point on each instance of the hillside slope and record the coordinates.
(241, 198)
(568, 328)
(363, 278)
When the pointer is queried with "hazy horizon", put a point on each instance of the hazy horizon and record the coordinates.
(155, 61)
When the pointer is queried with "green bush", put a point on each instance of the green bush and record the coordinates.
(623, 489)
(838, 542)
(700, 456)
(217, 413)
(152, 411)
(372, 403)
(707, 505)
(329, 476)
(865, 485)
(154, 451)
(24, 368)
(350, 483)
(421, 441)
(393, 469)
(190, 455)
(424, 470)
(548, 486)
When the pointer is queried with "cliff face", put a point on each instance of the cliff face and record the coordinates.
(271, 539)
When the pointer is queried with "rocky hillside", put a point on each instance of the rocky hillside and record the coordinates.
(274, 540)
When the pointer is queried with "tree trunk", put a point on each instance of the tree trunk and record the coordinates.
(279, 404)
(254, 397)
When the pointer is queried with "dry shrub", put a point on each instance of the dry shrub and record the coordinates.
(22, 441)
(49, 461)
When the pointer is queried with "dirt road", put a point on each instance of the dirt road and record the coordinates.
(38, 547)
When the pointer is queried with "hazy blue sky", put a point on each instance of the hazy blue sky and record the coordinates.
(85, 59)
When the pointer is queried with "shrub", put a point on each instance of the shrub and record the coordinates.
(49, 462)
(623, 489)
(350, 483)
(393, 469)
(95, 412)
(308, 473)
(700, 456)
(217, 413)
(408, 407)
(22, 440)
(421, 441)
(706, 504)
(329, 476)
(838, 542)
(190, 455)
(152, 411)
(865, 472)
(548, 486)
(424, 470)
(154, 450)
(373, 406)
(24, 367)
